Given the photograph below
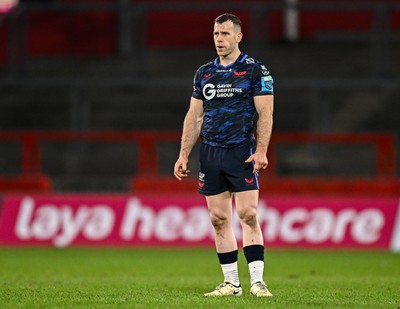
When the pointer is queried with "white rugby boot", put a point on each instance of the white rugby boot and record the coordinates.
(259, 289)
(226, 289)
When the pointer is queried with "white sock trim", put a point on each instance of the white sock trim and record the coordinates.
(231, 273)
(256, 270)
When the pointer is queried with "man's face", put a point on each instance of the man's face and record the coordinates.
(226, 38)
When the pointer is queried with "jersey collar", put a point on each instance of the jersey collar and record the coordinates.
(240, 59)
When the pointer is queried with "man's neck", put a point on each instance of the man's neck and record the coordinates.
(231, 58)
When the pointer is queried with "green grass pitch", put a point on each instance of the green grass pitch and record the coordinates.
(177, 278)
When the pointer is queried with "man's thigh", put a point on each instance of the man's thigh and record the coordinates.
(220, 204)
(246, 201)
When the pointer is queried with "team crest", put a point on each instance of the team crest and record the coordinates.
(267, 83)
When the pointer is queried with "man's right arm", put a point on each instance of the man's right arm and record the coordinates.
(190, 134)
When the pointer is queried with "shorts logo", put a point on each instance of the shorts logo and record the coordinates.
(201, 180)
(249, 181)
(201, 176)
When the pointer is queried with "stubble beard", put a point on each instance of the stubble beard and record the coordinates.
(224, 54)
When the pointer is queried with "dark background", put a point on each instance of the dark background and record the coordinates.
(78, 66)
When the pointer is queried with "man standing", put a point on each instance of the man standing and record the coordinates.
(232, 99)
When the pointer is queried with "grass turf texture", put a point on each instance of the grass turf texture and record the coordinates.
(177, 278)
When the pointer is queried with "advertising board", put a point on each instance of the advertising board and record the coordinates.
(169, 220)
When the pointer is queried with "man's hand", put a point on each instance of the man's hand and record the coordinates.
(260, 161)
(180, 169)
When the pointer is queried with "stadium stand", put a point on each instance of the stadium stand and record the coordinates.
(97, 69)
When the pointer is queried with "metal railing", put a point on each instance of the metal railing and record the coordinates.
(149, 156)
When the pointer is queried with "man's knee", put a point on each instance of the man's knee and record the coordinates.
(218, 220)
(248, 216)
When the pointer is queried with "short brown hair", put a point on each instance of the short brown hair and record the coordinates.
(226, 16)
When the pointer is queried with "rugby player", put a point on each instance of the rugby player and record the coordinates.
(231, 108)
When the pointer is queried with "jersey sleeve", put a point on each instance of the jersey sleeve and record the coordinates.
(262, 81)
(197, 93)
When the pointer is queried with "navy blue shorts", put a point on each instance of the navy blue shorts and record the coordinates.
(224, 169)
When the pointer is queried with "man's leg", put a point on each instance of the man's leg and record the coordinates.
(253, 242)
(220, 209)
(246, 203)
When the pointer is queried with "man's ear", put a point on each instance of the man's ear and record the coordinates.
(239, 37)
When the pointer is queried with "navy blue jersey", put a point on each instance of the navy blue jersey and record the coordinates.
(227, 93)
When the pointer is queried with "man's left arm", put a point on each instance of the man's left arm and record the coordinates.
(265, 107)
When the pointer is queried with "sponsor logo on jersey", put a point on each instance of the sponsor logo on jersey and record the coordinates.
(249, 60)
(264, 70)
(220, 91)
(223, 70)
(239, 74)
(207, 75)
(267, 83)
(209, 91)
